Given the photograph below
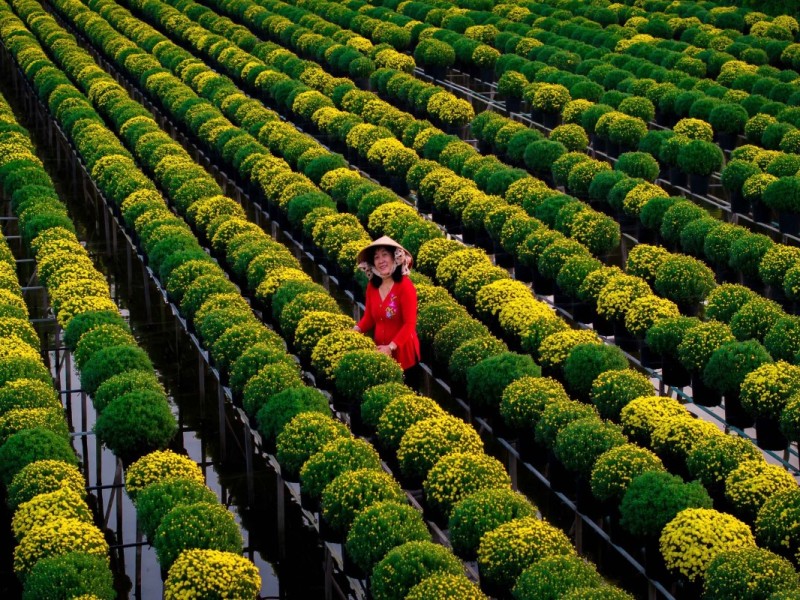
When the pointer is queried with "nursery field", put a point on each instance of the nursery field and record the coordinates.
(602, 202)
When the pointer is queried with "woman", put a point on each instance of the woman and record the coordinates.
(391, 302)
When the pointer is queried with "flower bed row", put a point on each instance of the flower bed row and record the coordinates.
(53, 525)
(133, 380)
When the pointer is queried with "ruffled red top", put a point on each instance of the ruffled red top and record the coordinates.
(394, 319)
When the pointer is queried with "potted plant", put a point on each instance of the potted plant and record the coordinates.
(776, 524)
(400, 414)
(674, 437)
(749, 572)
(426, 441)
(482, 512)
(505, 552)
(712, 459)
(554, 576)
(63, 504)
(524, 400)
(331, 348)
(156, 500)
(753, 191)
(555, 348)
(572, 136)
(71, 573)
(59, 536)
(642, 415)
(639, 165)
(725, 371)
(487, 379)
(764, 394)
(699, 159)
(435, 56)
(755, 319)
(615, 468)
(547, 102)
(270, 380)
(207, 569)
(750, 484)
(178, 531)
(459, 474)
(654, 498)
(684, 280)
(643, 314)
(579, 443)
(41, 477)
(782, 341)
(663, 338)
(612, 390)
(586, 362)
(159, 466)
(379, 528)
(377, 398)
(30, 445)
(733, 176)
(408, 565)
(615, 299)
(510, 86)
(359, 370)
(304, 436)
(470, 354)
(776, 263)
(725, 300)
(728, 121)
(783, 196)
(445, 586)
(558, 415)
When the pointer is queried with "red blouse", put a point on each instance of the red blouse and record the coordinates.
(394, 319)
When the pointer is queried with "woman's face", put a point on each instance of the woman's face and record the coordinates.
(384, 262)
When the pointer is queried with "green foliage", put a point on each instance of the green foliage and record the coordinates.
(70, 575)
(196, 526)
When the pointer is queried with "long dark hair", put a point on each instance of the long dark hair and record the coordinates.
(397, 274)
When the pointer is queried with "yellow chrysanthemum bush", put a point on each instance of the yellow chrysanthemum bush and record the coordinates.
(674, 438)
(58, 536)
(426, 441)
(39, 510)
(696, 536)
(750, 484)
(42, 477)
(198, 573)
(555, 348)
(505, 552)
(616, 468)
(641, 416)
(158, 466)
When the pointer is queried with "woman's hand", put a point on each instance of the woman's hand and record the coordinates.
(387, 350)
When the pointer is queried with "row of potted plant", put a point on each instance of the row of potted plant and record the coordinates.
(179, 532)
(52, 523)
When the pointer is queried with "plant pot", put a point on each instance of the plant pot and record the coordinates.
(674, 373)
(513, 105)
(648, 358)
(622, 337)
(542, 285)
(761, 212)
(702, 394)
(438, 73)
(677, 177)
(739, 204)
(583, 312)
(727, 141)
(735, 414)
(309, 503)
(789, 223)
(598, 143)
(562, 300)
(351, 569)
(699, 184)
(522, 272)
(769, 435)
(603, 326)
(398, 185)
(551, 119)
(328, 534)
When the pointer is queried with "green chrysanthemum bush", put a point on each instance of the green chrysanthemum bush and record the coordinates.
(555, 348)
(612, 390)
(766, 390)
(353, 491)
(42, 477)
(481, 512)
(749, 573)
(696, 536)
(333, 459)
(196, 526)
(158, 499)
(777, 525)
(359, 370)
(558, 415)
(380, 527)
(684, 280)
(406, 566)
(31, 445)
(200, 573)
(377, 398)
(750, 484)
(331, 348)
(70, 575)
(725, 301)
(162, 465)
(426, 441)
(445, 586)
(551, 577)
(305, 435)
(614, 470)
(58, 536)
(614, 300)
(586, 362)
(28, 393)
(63, 503)
(505, 552)
(700, 342)
(580, 443)
(459, 474)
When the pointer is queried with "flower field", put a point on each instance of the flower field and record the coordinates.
(603, 205)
